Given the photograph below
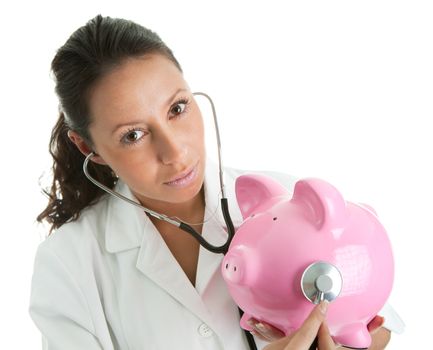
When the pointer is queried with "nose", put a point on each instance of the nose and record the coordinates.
(171, 148)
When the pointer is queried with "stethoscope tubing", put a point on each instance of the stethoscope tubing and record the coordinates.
(182, 225)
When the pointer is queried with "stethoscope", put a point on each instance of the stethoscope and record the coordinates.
(319, 281)
(177, 222)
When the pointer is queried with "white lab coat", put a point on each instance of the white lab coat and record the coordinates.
(108, 281)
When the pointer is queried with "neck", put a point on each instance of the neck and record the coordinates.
(190, 211)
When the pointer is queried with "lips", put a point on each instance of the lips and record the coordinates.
(182, 175)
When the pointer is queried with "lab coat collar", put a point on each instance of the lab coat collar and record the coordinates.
(125, 223)
(129, 227)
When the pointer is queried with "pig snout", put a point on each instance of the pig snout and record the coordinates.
(234, 269)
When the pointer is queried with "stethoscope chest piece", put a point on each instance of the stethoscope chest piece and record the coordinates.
(321, 281)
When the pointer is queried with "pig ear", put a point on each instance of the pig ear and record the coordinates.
(368, 207)
(254, 190)
(322, 203)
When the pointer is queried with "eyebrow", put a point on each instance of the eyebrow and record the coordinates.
(169, 100)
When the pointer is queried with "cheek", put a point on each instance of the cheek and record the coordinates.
(196, 134)
(140, 180)
(133, 168)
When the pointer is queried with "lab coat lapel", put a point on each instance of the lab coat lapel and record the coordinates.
(157, 262)
(125, 223)
(128, 227)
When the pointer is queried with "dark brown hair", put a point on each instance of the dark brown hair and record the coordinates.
(91, 52)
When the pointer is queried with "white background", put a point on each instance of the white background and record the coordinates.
(335, 89)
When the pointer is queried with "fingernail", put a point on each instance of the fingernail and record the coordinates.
(261, 327)
(323, 307)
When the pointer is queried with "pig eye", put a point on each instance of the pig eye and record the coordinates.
(252, 215)
(275, 218)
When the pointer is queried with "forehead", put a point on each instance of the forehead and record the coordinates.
(136, 86)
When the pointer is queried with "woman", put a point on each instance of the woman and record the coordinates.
(109, 276)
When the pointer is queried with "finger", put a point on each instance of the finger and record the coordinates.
(265, 330)
(258, 335)
(269, 331)
(252, 323)
(325, 340)
(380, 339)
(375, 324)
(305, 335)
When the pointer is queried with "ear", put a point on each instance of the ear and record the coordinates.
(84, 148)
(254, 190)
(323, 204)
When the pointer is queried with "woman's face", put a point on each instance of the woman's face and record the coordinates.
(148, 128)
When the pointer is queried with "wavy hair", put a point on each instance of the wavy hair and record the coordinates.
(89, 54)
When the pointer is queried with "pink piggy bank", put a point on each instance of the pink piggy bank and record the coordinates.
(293, 251)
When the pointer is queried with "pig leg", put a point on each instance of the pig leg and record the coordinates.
(354, 336)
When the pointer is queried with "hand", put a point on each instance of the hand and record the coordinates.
(380, 336)
(314, 326)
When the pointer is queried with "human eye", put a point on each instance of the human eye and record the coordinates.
(181, 106)
(132, 136)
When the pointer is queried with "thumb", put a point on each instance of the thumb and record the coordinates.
(306, 334)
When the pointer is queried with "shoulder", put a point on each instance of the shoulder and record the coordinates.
(74, 238)
(67, 260)
(65, 279)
